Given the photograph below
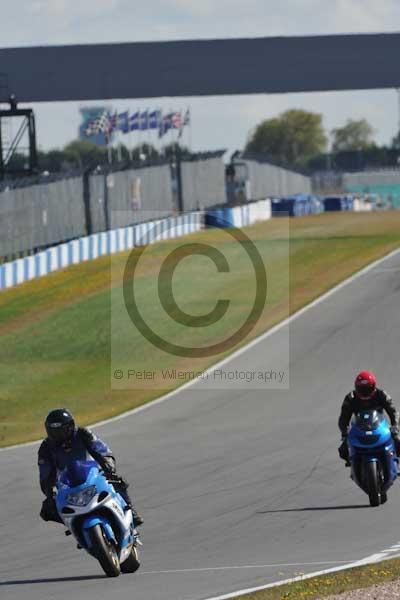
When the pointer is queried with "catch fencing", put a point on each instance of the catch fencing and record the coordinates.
(121, 198)
(38, 213)
(203, 182)
(261, 179)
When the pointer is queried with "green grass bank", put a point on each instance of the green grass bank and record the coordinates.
(56, 333)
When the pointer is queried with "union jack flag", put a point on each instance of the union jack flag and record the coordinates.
(165, 125)
(185, 121)
(112, 122)
(176, 120)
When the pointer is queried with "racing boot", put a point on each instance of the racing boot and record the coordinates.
(123, 490)
(137, 519)
(344, 451)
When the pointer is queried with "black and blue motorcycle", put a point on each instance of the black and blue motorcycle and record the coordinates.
(373, 459)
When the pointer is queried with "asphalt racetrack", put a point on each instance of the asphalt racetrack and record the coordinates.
(237, 489)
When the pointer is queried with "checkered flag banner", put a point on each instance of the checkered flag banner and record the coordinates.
(99, 125)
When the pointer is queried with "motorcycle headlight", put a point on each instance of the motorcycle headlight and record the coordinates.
(82, 498)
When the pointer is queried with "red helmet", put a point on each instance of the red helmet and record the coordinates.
(365, 385)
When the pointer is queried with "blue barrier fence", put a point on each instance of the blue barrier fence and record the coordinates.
(96, 245)
(338, 203)
(297, 206)
(125, 238)
(302, 204)
(239, 216)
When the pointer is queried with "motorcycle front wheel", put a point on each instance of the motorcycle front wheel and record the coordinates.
(373, 484)
(132, 563)
(104, 551)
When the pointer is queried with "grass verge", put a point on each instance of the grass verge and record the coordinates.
(56, 334)
(331, 583)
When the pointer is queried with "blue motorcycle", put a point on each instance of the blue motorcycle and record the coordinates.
(98, 517)
(374, 464)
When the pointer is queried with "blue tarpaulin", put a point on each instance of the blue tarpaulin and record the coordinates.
(297, 205)
(338, 203)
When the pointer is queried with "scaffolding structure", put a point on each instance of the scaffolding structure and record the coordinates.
(18, 151)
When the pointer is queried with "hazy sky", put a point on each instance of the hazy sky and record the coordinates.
(217, 122)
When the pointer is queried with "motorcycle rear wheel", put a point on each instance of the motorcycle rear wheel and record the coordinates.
(104, 551)
(373, 484)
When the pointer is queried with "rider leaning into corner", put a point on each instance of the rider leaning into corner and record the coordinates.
(66, 441)
(366, 396)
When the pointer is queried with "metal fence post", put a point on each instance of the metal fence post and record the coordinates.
(106, 212)
(180, 198)
(86, 202)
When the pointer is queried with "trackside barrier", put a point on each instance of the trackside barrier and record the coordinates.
(298, 205)
(96, 245)
(338, 203)
(125, 238)
(239, 216)
(360, 205)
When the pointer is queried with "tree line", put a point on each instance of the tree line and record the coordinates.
(295, 138)
(298, 138)
(83, 154)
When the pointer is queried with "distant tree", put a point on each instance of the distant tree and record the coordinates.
(174, 148)
(52, 161)
(18, 162)
(119, 153)
(124, 152)
(144, 152)
(396, 142)
(293, 137)
(82, 153)
(355, 135)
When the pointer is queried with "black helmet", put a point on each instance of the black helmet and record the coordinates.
(60, 425)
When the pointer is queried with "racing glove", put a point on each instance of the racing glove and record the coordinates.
(108, 466)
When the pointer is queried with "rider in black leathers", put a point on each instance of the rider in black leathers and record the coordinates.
(64, 442)
(366, 396)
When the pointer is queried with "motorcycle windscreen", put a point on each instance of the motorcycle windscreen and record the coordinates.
(369, 420)
(77, 472)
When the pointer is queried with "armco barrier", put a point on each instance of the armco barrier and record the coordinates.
(297, 206)
(338, 203)
(239, 216)
(96, 245)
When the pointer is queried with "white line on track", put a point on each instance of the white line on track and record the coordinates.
(229, 568)
(238, 352)
(375, 558)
